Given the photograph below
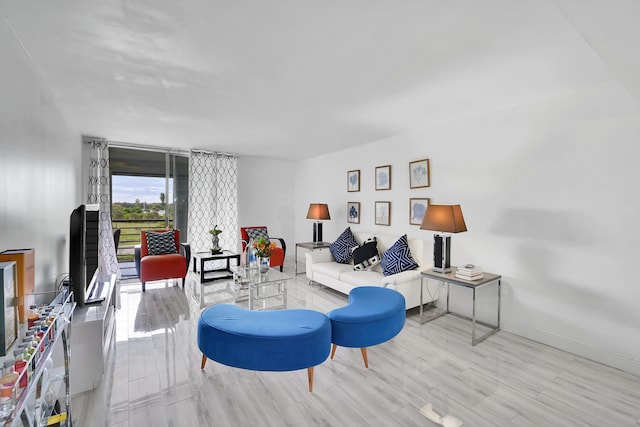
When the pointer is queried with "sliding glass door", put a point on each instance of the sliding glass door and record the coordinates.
(149, 190)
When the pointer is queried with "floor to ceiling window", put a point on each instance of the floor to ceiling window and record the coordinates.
(149, 190)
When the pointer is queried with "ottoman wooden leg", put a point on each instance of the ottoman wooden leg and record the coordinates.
(333, 350)
(310, 375)
(364, 356)
(204, 360)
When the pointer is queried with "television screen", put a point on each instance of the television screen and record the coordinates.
(77, 267)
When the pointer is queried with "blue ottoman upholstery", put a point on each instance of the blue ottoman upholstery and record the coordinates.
(374, 315)
(282, 340)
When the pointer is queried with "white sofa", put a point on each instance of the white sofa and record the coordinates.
(322, 268)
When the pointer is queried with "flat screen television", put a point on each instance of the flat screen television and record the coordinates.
(77, 262)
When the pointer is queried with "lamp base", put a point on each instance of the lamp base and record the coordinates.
(442, 253)
(317, 232)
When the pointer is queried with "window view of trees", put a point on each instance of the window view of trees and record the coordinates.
(141, 210)
(138, 203)
(140, 198)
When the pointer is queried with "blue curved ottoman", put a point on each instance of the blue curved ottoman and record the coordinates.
(374, 315)
(282, 340)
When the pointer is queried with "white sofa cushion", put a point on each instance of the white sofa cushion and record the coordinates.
(362, 278)
(332, 269)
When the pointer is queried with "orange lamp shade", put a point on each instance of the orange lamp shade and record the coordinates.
(444, 218)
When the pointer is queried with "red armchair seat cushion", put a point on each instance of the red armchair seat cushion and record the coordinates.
(159, 267)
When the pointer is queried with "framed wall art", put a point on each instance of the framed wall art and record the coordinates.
(383, 213)
(383, 177)
(417, 209)
(353, 180)
(353, 212)
(419, 174)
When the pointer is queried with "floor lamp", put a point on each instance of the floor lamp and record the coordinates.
(443, 219)
(319, 212)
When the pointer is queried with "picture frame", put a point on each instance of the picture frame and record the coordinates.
(383, 177)
(353, 181)
(419, 174)
(417, 209)
(353, 212)
(383, 213)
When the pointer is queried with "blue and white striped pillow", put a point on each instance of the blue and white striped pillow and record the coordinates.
(398, 258)
(342, 248)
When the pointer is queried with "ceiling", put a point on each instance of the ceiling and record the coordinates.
(294, 79)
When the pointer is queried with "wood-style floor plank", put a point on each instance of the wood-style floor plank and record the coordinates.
(154, 378)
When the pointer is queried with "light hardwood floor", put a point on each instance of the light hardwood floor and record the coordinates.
(154, 379)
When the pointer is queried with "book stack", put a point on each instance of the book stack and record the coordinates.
(469, 272)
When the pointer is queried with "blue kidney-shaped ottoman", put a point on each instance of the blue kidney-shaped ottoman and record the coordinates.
(374, 315)
(280, 340)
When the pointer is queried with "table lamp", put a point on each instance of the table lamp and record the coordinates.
(318, 211)
(443, 219)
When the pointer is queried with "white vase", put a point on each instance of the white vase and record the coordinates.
(215, 241)
(263, 264)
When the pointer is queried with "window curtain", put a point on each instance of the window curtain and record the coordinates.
(99, 193)
(213, 199)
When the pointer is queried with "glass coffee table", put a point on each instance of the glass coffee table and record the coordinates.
(262, 291)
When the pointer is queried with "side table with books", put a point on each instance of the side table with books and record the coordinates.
(480, 280)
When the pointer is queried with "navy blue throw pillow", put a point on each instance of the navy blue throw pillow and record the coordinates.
(366, 256)
(343, 246)
(398, 258)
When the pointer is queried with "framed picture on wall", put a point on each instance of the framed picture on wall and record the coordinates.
(353, 180)
(417, 209)
(419, 174)
(383, 177)
(383, 213)
(353, 212)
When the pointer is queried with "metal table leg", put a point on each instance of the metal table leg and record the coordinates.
(494, 328)
(421, 303)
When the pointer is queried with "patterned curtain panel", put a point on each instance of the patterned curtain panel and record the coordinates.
(213, 199)
(100, 194)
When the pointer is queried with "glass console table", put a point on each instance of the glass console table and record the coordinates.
(38, 391)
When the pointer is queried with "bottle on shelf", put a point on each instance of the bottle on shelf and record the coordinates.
(19, 366)
(7, 382)
(33, 315)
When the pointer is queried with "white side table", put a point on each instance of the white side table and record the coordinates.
(451, 279)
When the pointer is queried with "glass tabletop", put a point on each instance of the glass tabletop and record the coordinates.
(224, 254)
(252, 276)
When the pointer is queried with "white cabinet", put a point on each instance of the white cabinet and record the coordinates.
(92, 332)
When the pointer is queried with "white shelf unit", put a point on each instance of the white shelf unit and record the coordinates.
(33, 403)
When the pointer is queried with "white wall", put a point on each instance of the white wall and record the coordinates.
(265, 197)
(548, 194)
(39, 165)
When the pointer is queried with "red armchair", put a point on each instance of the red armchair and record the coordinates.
(157, 263)
(278, 254)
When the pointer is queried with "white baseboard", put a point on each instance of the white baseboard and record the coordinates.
(619, 361)
(623, 362)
